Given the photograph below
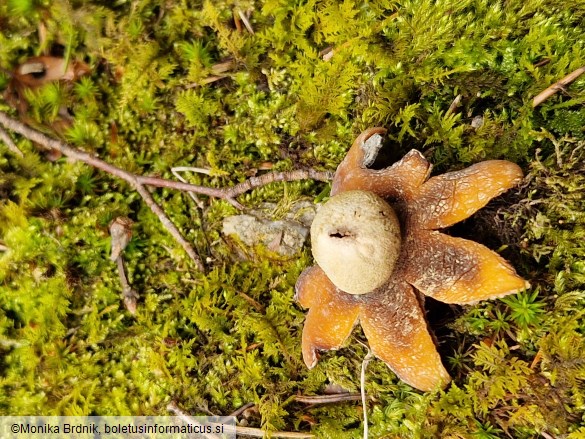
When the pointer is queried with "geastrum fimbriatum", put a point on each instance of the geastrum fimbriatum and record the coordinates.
(377, 247)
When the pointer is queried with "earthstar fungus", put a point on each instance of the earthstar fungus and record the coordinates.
(377, 246)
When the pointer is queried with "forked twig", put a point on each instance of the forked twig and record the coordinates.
(139, 183)
(168, 224)
(176, 172)
(559, 85)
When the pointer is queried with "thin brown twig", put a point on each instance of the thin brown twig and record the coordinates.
(129, 295)
(559, 85)
(328, 399)
(454, 105)
(240, 431)
(237, 21)
(176, 172)
(257, 432)
(542, 62)
(168, 224)
(227, 194)
(138, 182)
(312, 400)
(536, 359)
(254, 182)
(174, 408)
(242, 409)
(257, 305)
(133, 180)
(122, 274)
(10, 143)
(81, 156)
(246, 22)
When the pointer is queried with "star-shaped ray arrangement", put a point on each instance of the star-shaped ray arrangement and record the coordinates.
(376, 243)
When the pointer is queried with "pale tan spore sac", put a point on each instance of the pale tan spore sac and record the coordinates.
(346, 287)
(360, 230)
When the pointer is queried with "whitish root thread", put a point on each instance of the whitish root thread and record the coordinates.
(367, 359)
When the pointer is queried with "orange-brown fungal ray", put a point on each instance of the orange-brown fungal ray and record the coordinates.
(351, 174)
(355, 157)
(398, 181)
(403, 178)
(455, 270)
(397, 333)
(331, 317)
(311, 284)
(449, 198)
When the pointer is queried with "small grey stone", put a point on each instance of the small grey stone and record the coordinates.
(285, 236)
(477, 122)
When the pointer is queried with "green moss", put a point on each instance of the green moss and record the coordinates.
(214, 341)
